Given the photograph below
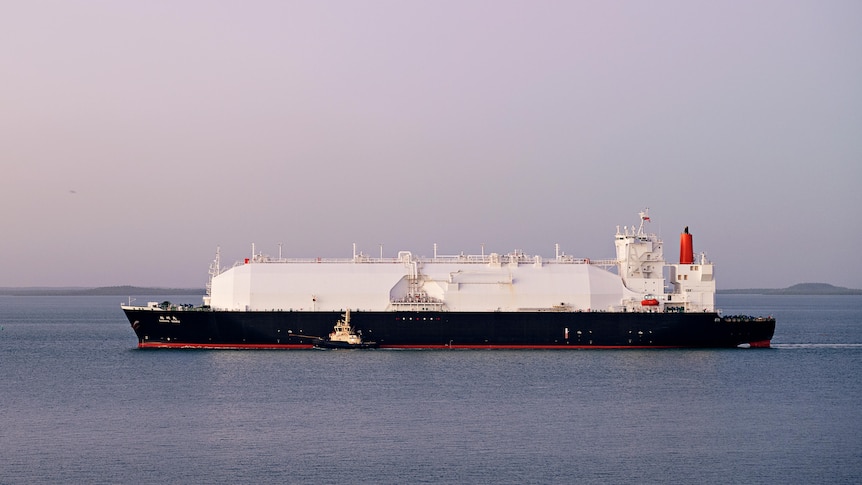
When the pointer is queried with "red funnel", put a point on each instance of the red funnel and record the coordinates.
(686, 250)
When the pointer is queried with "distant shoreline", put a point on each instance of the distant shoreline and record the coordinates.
(127, 290)
(785, 292)
(100, 291)
(810, 289)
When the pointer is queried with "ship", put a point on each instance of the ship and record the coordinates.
(462, 301)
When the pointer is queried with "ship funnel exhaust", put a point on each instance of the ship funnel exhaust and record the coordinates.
(686, 250)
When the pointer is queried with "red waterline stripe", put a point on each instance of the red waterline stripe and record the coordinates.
(529, 347)
(761, 344)
(178, 345)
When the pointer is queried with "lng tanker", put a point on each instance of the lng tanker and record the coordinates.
(510, 301)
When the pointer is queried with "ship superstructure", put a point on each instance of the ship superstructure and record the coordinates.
(510, 282)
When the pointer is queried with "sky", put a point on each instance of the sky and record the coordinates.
(137, 137)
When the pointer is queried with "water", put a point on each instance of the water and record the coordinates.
(79, 403)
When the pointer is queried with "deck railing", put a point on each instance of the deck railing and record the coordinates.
(459, 259)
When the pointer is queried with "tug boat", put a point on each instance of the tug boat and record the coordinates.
(344, 336)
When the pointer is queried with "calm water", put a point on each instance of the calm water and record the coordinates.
(79, 403)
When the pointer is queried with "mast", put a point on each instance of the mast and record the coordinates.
(644, 214)
(215, 270)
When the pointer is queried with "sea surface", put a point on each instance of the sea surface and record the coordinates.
(79, 403)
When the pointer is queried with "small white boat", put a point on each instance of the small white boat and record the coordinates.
(343, 336)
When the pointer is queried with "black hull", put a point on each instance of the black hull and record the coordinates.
(194, 328)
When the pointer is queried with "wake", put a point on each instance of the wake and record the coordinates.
(816, 346)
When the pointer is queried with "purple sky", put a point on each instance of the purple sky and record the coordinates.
(135, 137)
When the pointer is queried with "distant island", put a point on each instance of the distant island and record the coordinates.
(800, 289)
(100, 291)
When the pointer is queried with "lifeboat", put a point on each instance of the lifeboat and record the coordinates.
(649, 301)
